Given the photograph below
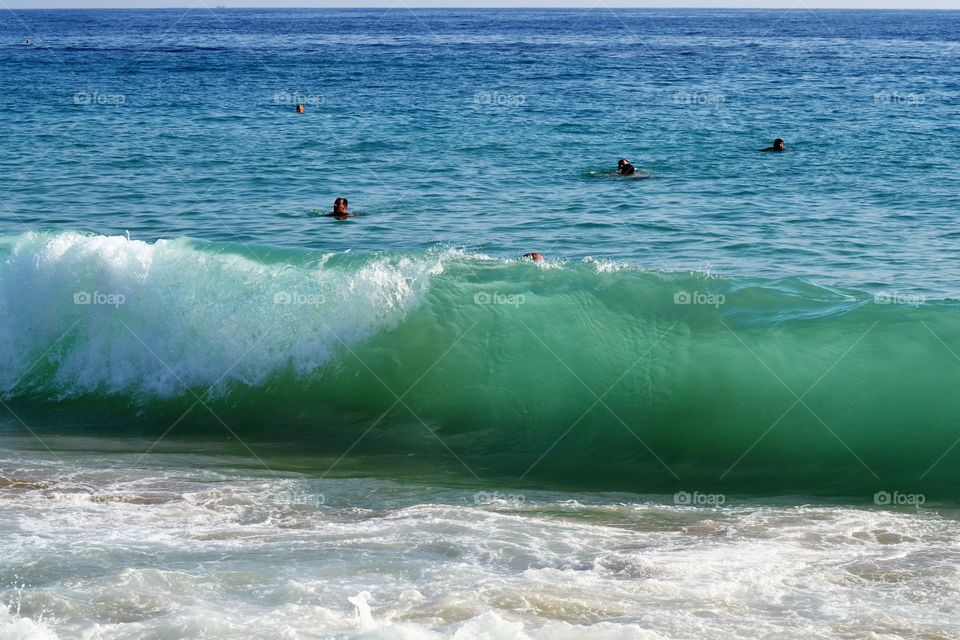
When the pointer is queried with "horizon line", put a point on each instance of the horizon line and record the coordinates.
(508, 6)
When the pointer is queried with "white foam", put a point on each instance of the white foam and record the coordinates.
(365, 619)
(241, 555)
(166, 314)
(14, 627)
(605, 265)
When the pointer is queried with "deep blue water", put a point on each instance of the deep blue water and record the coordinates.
(490, 130)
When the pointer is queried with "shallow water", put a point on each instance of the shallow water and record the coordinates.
(191, 545)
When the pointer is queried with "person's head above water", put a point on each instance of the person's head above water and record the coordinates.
(340, 211)
(778, 145)
(301, 108)
(536, 257)
(624, 167)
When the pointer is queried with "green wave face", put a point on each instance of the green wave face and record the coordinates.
(601, 377)
(575, 375)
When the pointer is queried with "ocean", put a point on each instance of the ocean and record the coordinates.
(723, 405)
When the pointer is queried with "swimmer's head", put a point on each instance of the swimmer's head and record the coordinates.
(300, 108)
(778, 144)
(624, 168)
(340, 205)
(536, 257)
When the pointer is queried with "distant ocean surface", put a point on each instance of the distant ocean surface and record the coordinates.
(724, 406)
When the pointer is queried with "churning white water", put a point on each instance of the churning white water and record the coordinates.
(188, 545)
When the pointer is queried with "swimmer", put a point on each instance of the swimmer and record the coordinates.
(624, 168)
(301, 108)
(340, 211)
(27, 41)
(777, 146)
(536, 257)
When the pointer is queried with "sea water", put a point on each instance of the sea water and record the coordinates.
(723, 406)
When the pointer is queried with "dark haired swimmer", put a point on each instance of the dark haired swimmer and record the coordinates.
(536, 257)
(777, 146)
(624, 168)
(340, 211)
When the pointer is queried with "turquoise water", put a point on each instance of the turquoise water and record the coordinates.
(581, 374)
(483, 129)
(723, 405)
